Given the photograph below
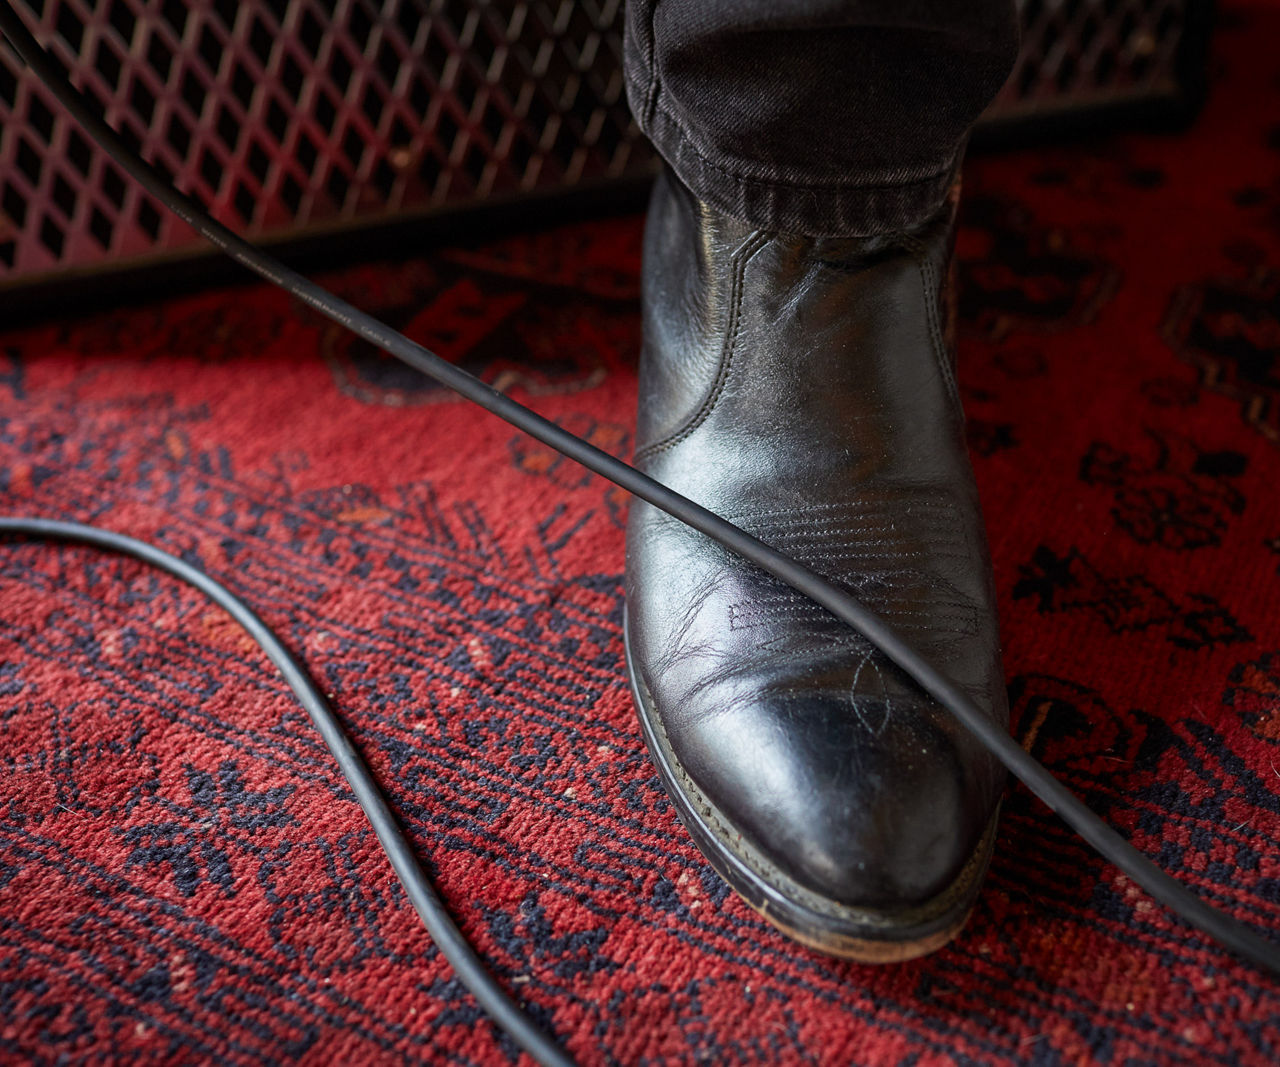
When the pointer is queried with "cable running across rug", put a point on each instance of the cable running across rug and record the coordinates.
(183, 876)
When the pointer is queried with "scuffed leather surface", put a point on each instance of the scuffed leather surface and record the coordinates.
(803, 389)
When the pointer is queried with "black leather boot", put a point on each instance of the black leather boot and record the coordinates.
(804, 389)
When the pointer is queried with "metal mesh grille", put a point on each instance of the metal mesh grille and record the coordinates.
(1078, 52)
(288, 115)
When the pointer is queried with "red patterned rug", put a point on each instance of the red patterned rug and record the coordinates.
(183, 876)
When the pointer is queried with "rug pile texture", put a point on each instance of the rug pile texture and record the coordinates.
(184, 877)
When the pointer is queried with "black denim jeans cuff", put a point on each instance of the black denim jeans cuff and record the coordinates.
(773, 202)
(827, 118)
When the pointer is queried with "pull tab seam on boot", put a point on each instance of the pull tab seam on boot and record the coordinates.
(929, 279)
(741, 258)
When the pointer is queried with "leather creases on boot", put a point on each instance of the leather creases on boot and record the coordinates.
(804, 389)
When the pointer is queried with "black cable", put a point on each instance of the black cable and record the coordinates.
(426, 902)
(1164, 888)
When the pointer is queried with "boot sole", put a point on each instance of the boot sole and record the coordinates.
(867, 935)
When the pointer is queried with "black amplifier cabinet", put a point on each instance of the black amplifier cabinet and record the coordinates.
(331, 125)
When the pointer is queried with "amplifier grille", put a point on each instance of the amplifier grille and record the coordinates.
(285, 116)
(1083, 52)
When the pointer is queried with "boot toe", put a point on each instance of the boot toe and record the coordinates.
(876, 807)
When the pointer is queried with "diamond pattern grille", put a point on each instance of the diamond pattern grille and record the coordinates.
(290, 115)
(1076, 52)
